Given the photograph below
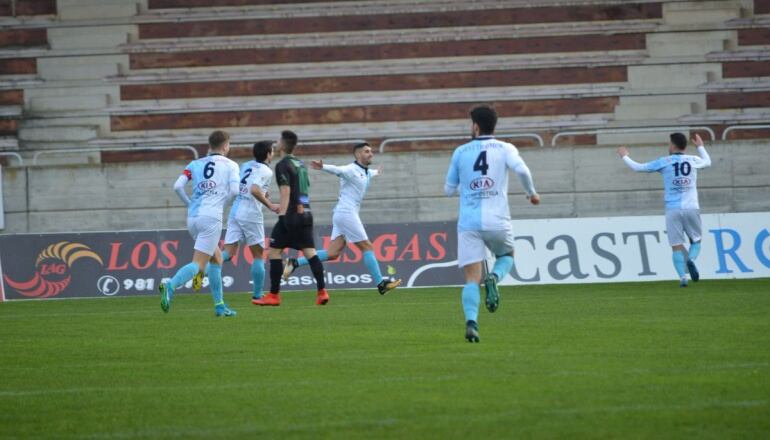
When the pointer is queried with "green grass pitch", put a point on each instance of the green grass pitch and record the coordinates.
(645, 360)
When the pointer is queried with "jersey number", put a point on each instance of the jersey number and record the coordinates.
(208, 170)
(682, 168)
(481, 163)
(246, 176)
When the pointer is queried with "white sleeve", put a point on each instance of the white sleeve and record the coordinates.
(333, 169)
(525, 178)
(634, 165)
(452, 176)
(705, 159)
(179, 189)
(374, 172)
(234, 184)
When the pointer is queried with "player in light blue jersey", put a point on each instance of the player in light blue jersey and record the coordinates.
(346, 223)
(479, 172)
(246, 222)
(215, 182)
(680, 177)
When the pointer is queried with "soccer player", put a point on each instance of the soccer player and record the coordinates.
(479, 172)
(295, 223)
(215, 182)
(680, 175)
(246, 222)
(346, 224)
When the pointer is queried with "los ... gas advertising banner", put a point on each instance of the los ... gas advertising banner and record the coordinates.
(584, 250)
(36, 266)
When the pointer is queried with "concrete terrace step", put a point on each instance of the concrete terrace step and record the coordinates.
(690, 43)
(96, 9)
(654, 107)
(53, 133)
(80, 67)
(380, 67)
(90, 37)
(278, 102)
(701, 12)
(385, 36)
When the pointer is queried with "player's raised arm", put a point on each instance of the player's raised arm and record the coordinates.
(705, 159)
(648, 167)
(179, 185)
(331, 169)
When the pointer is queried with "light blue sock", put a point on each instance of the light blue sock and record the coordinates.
(322, 254)
(471, 301)
(678, 257)
(373, 265)
(694, 251)
(183, 275)
(226, 256)
(503, 266)
(258, 277)
(215, 283)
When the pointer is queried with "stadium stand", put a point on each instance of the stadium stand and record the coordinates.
(111, 78)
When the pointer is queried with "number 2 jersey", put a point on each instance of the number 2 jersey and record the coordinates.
(479, 170)
(214, 181)
(680, 176)
(246, 207)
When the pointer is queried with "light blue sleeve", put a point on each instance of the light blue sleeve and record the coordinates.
(452, 175)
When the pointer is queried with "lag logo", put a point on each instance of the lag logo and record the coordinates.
(52, 269)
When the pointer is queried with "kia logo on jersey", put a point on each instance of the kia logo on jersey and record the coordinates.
(482, 183)
(682, 181)
(207, 185)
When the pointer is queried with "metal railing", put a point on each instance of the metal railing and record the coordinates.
(631, 130)
(742, 127)
(98, 150)
(16, 156)
(535, 136)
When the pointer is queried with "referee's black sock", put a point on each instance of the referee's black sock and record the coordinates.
(318, 271)
(276, 271)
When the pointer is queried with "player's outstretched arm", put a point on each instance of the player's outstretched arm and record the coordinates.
(179, 189)
(331, 169)
(636, 166)
(704, 155)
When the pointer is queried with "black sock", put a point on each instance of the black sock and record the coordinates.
(276, 272)
(318, 271)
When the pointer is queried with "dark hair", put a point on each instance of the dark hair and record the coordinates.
(679, 140)
(361, 145)
(261, 150)
(218, 138)
(485, 117)
(289, 140)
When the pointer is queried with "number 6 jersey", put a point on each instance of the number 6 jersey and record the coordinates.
(479, 170)
(214, 180)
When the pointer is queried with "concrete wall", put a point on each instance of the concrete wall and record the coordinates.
(573, 182)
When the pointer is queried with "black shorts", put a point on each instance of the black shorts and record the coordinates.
(293, 231)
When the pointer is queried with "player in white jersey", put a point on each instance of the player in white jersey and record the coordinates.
(680, 176)
(215, 182)
(246, 222)
(346, 223)
(479, 172)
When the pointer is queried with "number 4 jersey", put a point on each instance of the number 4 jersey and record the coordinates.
(479, 170)
(212, 177)
(680, 177)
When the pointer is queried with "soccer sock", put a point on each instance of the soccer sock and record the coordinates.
(503, 266)
(226, 256)
(183, 275)
(678, 257)
(471, 301)
(276, 271)
(322, 255)
(258, 277)
(694, 250)
(215, 283)
(373, 265)
(318, 271)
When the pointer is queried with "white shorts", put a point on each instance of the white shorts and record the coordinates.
(348, 224)
(682, 223)
(251, 232)
(206, 232)
(472, 245)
